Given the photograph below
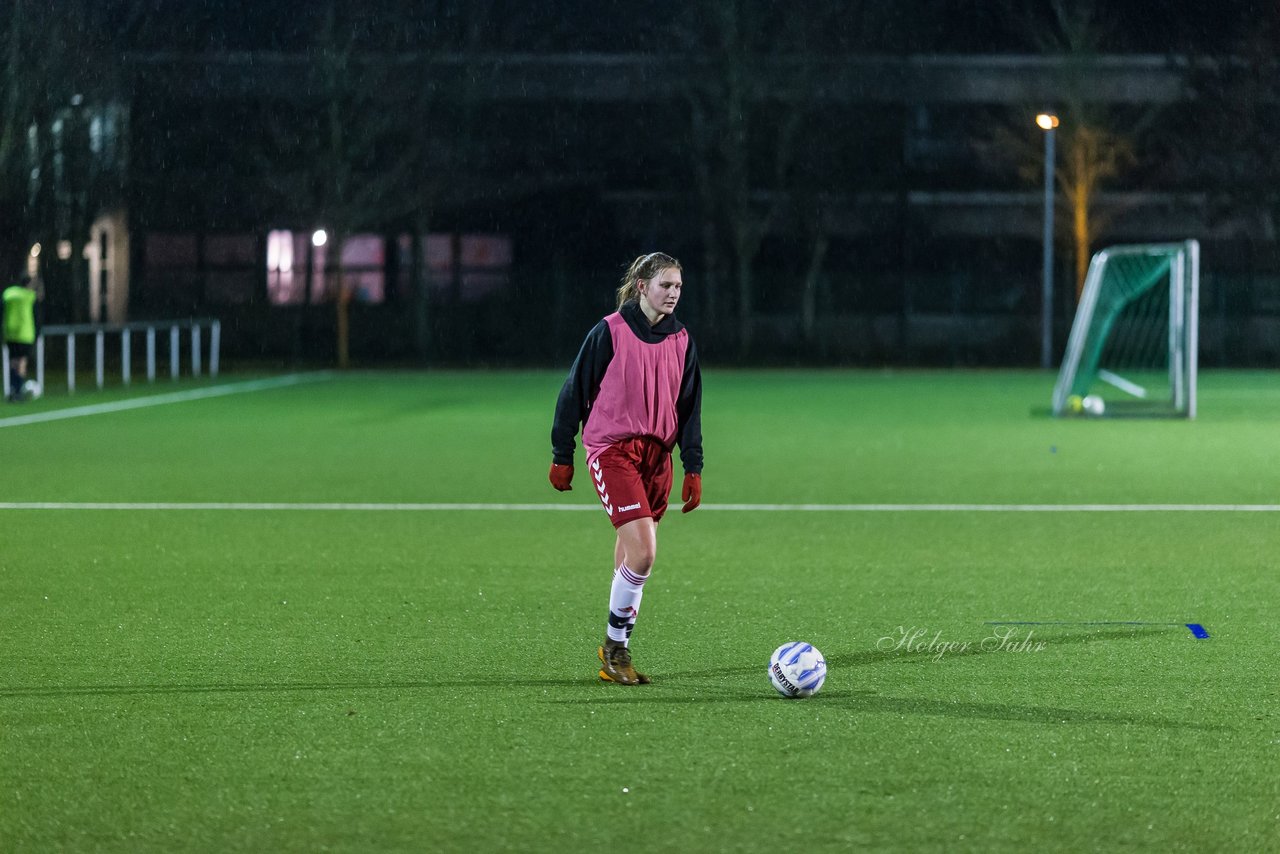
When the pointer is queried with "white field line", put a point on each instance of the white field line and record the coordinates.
(739, 508)
(162, 399)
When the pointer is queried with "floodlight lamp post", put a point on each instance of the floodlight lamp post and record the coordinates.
(1047, 122)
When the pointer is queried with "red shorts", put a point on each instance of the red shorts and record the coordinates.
(633, 479)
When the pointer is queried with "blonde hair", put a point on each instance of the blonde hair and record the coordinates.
(644, 267)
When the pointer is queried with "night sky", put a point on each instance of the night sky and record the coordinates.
(917, 26)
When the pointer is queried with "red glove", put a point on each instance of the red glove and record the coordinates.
(691, 492)
(561, 477)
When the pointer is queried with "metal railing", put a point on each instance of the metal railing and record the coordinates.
(148, 329)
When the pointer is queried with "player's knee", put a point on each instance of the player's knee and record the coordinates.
(639, 545)
(640, 559)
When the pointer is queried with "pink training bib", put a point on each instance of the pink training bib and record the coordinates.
(639, 391)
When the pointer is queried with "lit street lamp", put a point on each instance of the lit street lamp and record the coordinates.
(1047, 122)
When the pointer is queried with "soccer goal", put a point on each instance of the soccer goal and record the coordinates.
(1133, 344)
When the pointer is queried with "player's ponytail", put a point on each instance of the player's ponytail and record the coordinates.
(644, 267)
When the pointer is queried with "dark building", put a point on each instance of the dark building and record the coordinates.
(472, 206)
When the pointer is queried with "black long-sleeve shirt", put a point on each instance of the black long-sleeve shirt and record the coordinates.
(581, 388)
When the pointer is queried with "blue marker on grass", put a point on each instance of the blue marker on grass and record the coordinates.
(1197, 630)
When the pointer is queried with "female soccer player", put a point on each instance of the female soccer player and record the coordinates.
(636, 390)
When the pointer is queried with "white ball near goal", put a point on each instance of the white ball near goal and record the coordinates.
(32, 389)
(1093, 405)
(797, 669)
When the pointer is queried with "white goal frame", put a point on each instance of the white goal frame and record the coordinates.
(1183, 329)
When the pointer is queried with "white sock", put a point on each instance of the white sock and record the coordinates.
(635, 612)
(624, 602)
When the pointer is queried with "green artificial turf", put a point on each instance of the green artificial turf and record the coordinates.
(423, 680)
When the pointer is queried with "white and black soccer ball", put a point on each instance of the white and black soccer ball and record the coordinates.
(32, 389)
(797, 669)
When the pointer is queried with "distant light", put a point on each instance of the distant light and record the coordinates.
(280, 251)
(35, 251)
(77, 100)
(64, 249)
(319, 238)
(1047, 121)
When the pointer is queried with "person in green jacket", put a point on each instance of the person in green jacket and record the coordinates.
(19, 332)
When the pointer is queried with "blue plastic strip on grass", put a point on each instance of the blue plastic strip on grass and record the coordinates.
(1197, 630)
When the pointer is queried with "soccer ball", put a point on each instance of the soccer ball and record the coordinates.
(797, 669)
(1093, 405)
(32, 389)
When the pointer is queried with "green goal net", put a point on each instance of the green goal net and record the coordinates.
(1132, 349)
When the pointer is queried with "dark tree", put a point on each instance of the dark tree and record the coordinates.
(61, 133)
(1227, 143)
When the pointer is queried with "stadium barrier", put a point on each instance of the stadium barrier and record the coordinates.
(148, 331)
